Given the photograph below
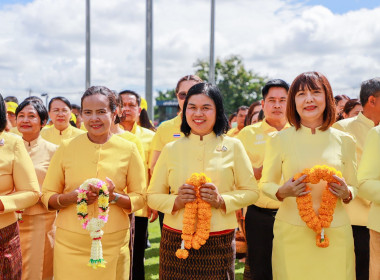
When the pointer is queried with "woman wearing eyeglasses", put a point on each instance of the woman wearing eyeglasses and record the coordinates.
(60, 114)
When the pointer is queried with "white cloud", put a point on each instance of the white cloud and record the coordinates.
(43, 44)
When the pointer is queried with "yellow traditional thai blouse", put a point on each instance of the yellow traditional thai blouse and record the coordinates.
(18, 181)
(221, 158)
(41, 153)
(369, 176)
(291, 151)
(79, 159)
(146, 137)
(55, 136)
(358, 127)
(254, 138)
(131, 137)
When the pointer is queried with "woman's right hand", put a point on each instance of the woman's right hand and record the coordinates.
(292, 188)
(186, 193)
(92, 195)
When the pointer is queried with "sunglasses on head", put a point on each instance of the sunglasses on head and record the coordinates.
(182, 95)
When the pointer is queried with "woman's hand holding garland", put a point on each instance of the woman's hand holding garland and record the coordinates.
(292, 188)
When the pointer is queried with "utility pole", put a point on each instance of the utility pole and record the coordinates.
(88, 46)
(149, 58)
(211, 74)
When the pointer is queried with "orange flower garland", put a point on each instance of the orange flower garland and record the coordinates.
(191, 237)
(326, 210)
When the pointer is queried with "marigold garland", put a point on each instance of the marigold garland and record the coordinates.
(326, 210)
(95, 224)
(196, 219)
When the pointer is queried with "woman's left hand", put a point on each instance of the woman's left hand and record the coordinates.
(209, 193)
(340, 190)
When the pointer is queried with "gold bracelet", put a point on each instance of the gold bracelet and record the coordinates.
(59, 204)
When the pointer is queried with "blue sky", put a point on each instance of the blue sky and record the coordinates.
(343, 6)
(336, 6)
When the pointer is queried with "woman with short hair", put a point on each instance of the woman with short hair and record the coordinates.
(97, 154)
(60, 114)
(311, 141)
(204, 149)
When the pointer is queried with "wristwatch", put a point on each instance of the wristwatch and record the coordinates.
(115, 199)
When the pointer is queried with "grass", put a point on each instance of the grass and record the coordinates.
(152, 255)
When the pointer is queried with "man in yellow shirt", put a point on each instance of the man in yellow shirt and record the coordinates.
(358, 209)
(131, 103)
(369, 188)
(260, 216)
(242, 112)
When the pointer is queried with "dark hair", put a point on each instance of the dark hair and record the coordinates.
(233, 115)
(11, 99)
(274, 83)
(187, 78)
(242, 108)
(34, 98)
(111, 96)
(350, 104)
(261, 115)
(248, 118)
(221, 122)
(75, 106)
(138, 98)
(60, 98)
(3, 114)
(311, 81)
(38, 106)
(369, 88)
(145, 121)
(338, 98)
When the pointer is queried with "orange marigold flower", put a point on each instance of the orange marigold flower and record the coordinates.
(328, 204)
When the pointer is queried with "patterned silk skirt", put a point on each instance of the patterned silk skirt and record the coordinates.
(10, 253)
(214, 260)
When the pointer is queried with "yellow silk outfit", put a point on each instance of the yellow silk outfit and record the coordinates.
(358, 127)
(261, 214)
(37, 230)
(18, 190)
(295, 254)
(75, 161)
(222, 159)
(146, 137)
(131, 137)
(369, 180)
(167, 132)
(55, 136)
(233, 132)
(18, 181)
(225, 162)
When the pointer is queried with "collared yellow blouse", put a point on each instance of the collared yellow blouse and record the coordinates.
(167, 132)
(254, 138)
(133, 138)
(221, 158)
(369, 176)
(41, 152)
(55, 136)
(357, 127)
(79, 159)
(18, 181)
(291, 151)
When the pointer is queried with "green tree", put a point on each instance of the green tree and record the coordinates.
(238, 85)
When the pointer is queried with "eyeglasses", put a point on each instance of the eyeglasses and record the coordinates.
(181, 95)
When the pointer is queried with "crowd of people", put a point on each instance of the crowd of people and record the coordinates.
(298, 167)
